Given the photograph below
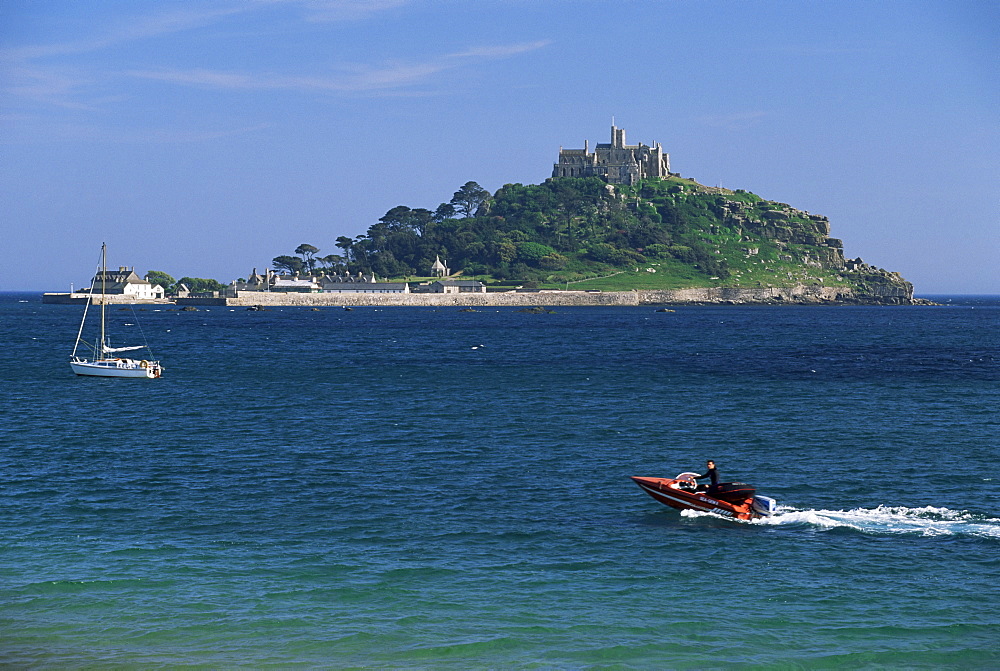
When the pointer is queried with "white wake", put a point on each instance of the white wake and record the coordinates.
(926, 521)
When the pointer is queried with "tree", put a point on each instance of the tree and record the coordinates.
(444, 211)
(307, 252)
(291, 264)
(468, 199)
(420, 219)
(533, 252)
(333, 261)
(201, 284)
(402, 218)
(397, 218)
(345, 243)
(161, 278)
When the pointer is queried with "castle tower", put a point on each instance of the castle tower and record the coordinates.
(617, 162)
(617, 137)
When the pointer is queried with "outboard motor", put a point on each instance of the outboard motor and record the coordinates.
(764, 505)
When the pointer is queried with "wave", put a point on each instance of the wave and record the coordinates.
(925, 521)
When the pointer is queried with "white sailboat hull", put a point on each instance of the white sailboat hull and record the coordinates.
(103, 365)
(117, 368)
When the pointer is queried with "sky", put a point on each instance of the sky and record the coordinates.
(205, 138)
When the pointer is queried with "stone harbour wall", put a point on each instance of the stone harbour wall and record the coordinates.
(887, 294)
(550, 298)
(798, 294)
(109, 299)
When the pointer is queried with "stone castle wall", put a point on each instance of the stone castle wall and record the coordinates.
(618, 163)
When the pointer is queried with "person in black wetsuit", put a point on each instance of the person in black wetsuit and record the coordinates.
(713, 474)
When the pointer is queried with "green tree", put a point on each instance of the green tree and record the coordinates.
(307, 252)
(444, 211)
(161, 278)
(468, 198)
(533, 252)
(290, 264)
(553, 262)
(332, 261)
(201, 284)
(345, 243)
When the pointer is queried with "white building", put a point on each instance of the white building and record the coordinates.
(457, 287)
(124, 281)
(349, 284)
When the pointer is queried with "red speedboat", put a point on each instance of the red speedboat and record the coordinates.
(730, 499)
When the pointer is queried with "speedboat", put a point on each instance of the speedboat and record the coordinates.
(729, 499)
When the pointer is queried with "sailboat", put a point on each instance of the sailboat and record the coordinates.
(103, 362)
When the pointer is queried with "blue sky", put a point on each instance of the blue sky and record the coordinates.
(206, 138)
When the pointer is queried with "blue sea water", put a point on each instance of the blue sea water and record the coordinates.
(429, 488)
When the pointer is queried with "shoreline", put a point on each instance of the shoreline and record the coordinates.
(794, 295)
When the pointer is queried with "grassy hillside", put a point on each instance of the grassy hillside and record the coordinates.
(582, 233)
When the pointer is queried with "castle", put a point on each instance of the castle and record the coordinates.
(618, 163)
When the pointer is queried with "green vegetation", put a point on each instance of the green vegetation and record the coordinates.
(159, 277)
(199, 284)
(308, 261)
(582, 233)
(170, 285)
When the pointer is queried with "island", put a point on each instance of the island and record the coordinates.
(611, 226)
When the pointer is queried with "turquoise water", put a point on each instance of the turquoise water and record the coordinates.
(419, 488)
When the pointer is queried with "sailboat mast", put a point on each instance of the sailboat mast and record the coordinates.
(104, 295)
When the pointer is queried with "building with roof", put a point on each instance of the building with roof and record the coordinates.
(336, 283)
(272, 281)
(456, 287)
(617, 162)
(439, 269)
(350, 284)
(367, 288)
(256, 281)
(124, 281)
(295, 284)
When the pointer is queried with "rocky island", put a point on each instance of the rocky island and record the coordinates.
(611, 226)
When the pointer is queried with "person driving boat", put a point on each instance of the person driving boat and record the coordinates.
(710, 473)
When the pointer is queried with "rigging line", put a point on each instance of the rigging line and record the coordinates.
(139, 324)
(90, 298)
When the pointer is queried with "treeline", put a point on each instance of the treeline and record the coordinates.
(170, 285)
(565, 228)
(562, 228)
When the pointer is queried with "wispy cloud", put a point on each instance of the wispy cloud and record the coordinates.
(37, 73)
(501, 51)
(49, 85)
(352, 78)
(139, 28)
(148, 26)
(339, 10)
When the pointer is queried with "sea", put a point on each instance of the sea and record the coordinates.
(420, 488)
